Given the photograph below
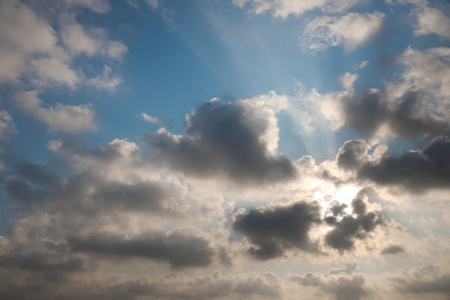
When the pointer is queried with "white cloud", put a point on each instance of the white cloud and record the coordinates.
(67, 118)
(432, 20)
(148, 118)
(52, 69)
(350, 30)
(427, 72)
(93, 41)
(31, 48)
(98, 6)
(105, 81)
(23, 33)
(284, 8)
(153, 3)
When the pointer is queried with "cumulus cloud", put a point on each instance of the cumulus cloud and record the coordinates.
(349, 30)
(23, 34)
(432, 20)
(92, 41)
(32, 51)
(415, 105)
(342, 285)
(236, 141)
(285, 8)
(347, 228)
(415, 170)
(277, 228)
(67, 118)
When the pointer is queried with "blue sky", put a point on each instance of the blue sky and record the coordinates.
(224, 149)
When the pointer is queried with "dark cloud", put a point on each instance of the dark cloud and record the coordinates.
(224, 141)
(339, 282)
(407, 117)
(347, 228)
(179, 248)
(392, 250)
(416, 170)
(275, 229)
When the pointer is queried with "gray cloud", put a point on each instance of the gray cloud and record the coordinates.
(426, 279)
(180, 248)
(275, 229)
(224, 141)
(408, 117)
(347, 228)
(392, 250)
(416, 170)
(341, 283)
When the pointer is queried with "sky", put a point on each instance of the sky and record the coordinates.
(224, 149)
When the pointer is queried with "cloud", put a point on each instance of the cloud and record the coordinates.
(347, 228)
(350, 30)
(415, 170)
(153, 3)
(415, 105)
(92, 41)
(343, 285)
(422, 280)
(236, 141)
(7, 127)
(285, 8)
(432, 20)
(148, 118)
(98, 6)
(277, 228)
(23, 34)
(66, 118)
(392, 250)
(105, 81)
(181, 248)
(37, 53)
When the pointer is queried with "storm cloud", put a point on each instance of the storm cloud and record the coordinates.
(235, 140)
(275, 229)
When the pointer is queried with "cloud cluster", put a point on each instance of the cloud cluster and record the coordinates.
(415, 105)
(347, 228)
(236, 141)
